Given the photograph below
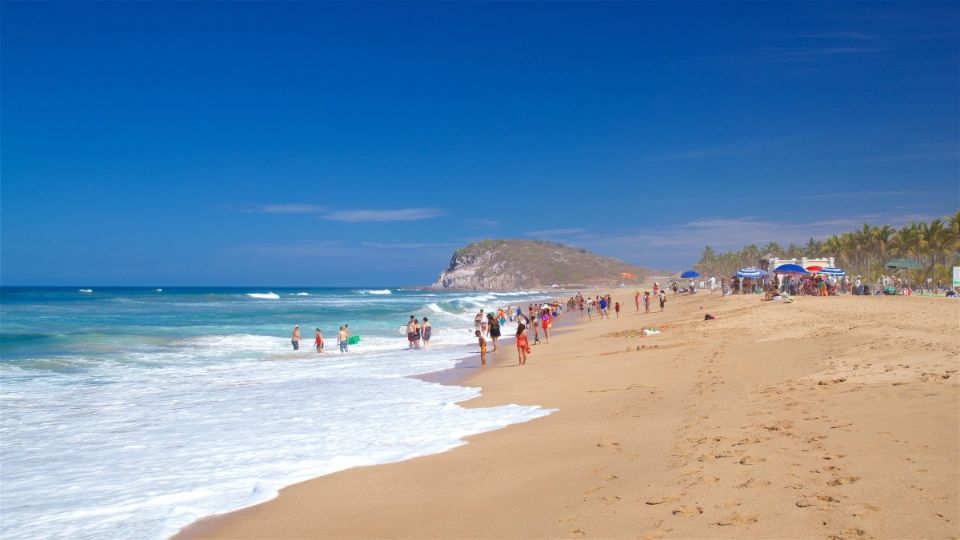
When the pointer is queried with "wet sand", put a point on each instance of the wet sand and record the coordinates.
(826, 417)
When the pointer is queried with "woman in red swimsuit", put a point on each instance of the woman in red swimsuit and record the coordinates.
(523, 346)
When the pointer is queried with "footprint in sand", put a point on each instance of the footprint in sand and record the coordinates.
(658, 531)
(749, 460)
(613, 445)
(753, 482)
(843, 480)
(688, 511)
(736, 519)
(610, 500)
(661, 500)
(741, 442)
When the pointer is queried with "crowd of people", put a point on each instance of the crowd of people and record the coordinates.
(538, 319)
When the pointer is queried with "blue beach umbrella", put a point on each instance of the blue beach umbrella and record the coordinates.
(750, 272)
(790, 269)
(833, 271)
(689, 274)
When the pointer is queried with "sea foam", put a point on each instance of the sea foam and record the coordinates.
(264, 296)
(137, 435)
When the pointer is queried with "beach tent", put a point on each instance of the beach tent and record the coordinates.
(790, 269)
(903, 263)
(690, 274)
(750, 272)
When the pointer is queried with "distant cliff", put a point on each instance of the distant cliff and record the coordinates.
(526, 264)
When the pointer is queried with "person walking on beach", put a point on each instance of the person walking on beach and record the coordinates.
(427, 330)
(295, 338)
(318, 341)
(636, 300)
(342, 337)
(494, 325)
(546, 323)
(535, 318)
(646, 301)
(663, 299)
(483, 348)
(523, 346)
(616, 308)
(603, 308)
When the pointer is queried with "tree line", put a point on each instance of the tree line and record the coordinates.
(865, 251)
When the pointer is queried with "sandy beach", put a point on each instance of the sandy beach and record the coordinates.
(824, 418)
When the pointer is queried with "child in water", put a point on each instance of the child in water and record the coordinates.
(483, 348)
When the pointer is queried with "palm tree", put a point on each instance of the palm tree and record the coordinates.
(812, 249)
(882, 236)
(833, 244)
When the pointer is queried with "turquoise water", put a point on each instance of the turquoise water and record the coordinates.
(130, 412)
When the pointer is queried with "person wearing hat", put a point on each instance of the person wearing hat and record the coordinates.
(295, 339)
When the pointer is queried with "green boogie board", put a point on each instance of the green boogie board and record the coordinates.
(353, 340)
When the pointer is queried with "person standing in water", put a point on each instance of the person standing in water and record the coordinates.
(318, 341)
(483, 348)
(411, 332)
(427, 330)
(494, 326)
(295, 338)
(416, 334)
(342, 337)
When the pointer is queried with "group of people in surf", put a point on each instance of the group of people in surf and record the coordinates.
(418, 335)
(343, 339)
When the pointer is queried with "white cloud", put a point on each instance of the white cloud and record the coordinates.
(294, 208)
(402, 214)
(700, 153)
(554, 232)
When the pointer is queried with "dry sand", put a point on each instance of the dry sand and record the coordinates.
(827, 417)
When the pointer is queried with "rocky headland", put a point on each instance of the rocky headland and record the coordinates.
(524, 264)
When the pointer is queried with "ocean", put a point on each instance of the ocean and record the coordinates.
(132, 412)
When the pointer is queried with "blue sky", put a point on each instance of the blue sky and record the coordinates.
(360, 144)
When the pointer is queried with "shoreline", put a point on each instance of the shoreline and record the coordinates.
(634, 448)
